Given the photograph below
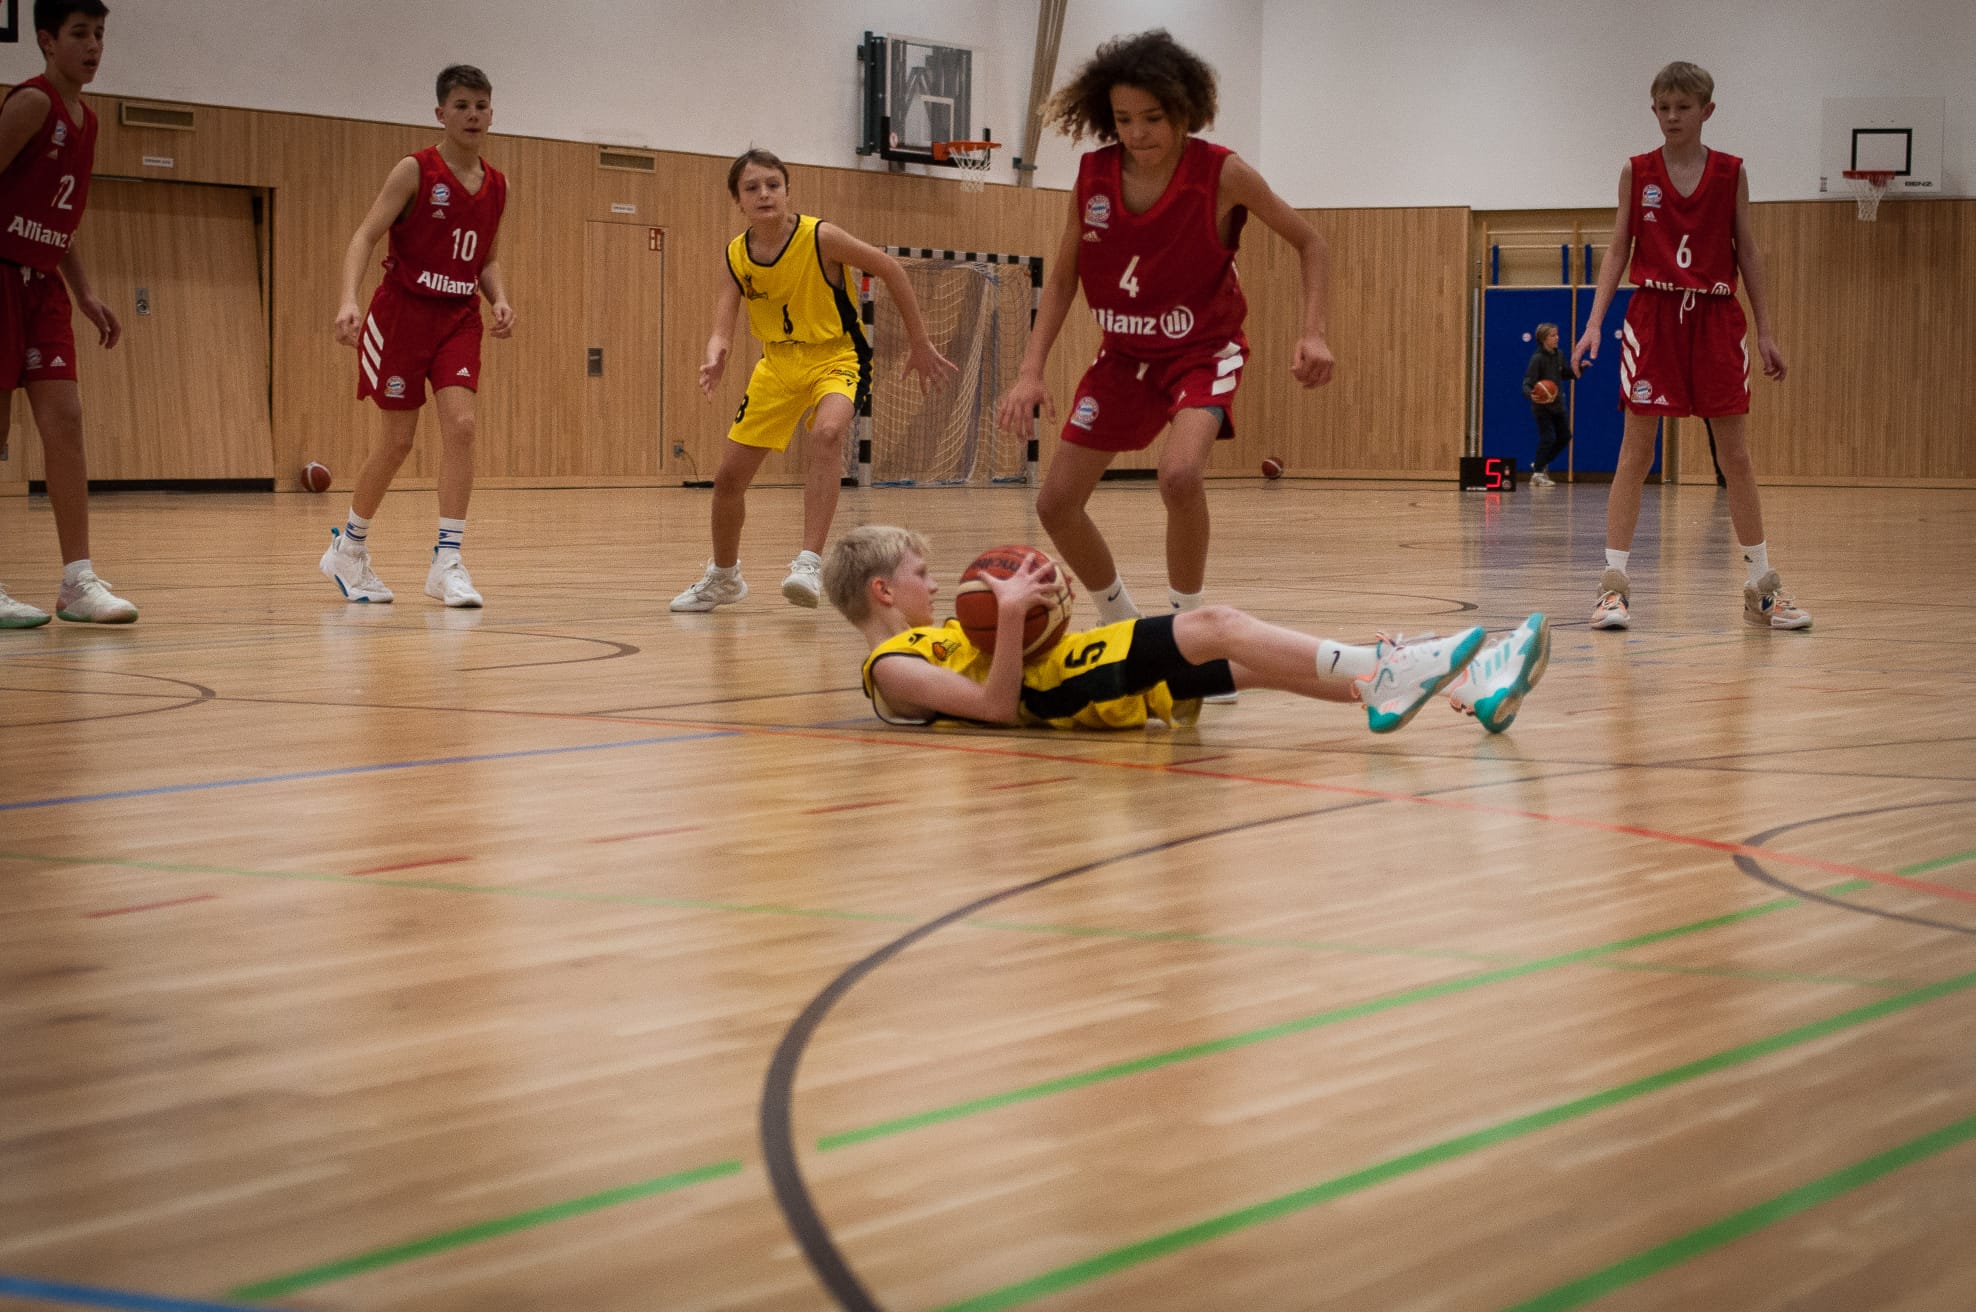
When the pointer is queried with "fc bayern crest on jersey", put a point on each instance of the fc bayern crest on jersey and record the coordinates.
(1086, 413)
(1650, 196)
(1097, 211)
(1643, 392)
(33, 357)
(443, 194)
(394, 387)
(61, 133)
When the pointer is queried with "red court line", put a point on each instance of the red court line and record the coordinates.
(1030, 783)
(411, 865)
(151, 906)
(851, 806)
(920, 742)
(648, 833)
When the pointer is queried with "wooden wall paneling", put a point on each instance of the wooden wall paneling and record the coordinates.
(623, 289)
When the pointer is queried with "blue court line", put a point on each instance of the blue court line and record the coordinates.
(356, 769)
(55, 1291)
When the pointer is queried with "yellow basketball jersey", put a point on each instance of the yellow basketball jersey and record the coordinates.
(1075, 686)
(789, 298)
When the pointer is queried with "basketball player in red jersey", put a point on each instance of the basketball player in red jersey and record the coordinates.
(1153, 229)
(47, 147)
(1684, 218)
(442, 208)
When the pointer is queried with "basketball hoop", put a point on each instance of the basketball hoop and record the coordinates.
(970, 157)
(1868, 186)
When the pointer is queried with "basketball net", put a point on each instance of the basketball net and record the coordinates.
(1868, 186)
(970, 157)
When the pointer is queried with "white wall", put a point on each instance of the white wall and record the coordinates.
(1488, 103)
(1511, 104)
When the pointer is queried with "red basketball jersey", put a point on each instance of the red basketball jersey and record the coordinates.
(43, 191)
(1160, 283)
(440, 244)
(1685, 243)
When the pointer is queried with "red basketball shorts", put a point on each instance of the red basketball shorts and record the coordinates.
(37, 341)
(1123, 403)
(1684, 354)
(407, 341)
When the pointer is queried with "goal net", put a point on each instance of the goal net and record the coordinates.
(978, 310)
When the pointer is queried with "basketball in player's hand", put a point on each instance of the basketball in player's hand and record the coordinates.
(315, 476)
(1272, 468)
(974, 602)
(1543, 391)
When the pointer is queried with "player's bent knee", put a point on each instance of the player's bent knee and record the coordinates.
(1181, 486)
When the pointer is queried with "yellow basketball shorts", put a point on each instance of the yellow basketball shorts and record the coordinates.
(789, 381)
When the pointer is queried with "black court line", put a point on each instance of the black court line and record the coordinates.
(619, 649)
(1754, 869)
(200, 694)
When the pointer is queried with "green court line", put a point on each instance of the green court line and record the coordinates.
(1938, 863)
(1687, 1247)
(473, 1234)
(1774, 976)
(1145, 1250)
(1282, 1029)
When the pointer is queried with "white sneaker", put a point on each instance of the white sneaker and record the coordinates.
(20, 615)
(1611, 612)
(448, 580)
(89, 601)
(350, 570)
(1541, 479)
(1765, 602)
(1222, 698)
(716, 587)
(804, 585)
(1495, 683)
(1409, 671)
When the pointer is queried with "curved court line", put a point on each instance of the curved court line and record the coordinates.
(621, 649)
(57, 1291)
(1689, 1246)
(342, 771)
(200, 693)
(1754, 869)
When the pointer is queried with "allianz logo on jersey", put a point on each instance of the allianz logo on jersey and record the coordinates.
(1175, 323)
(35, 232)
(439, 282)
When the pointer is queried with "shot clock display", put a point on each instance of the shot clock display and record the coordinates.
(1488, 474)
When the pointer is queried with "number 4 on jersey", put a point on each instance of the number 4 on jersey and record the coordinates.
(1126, 281)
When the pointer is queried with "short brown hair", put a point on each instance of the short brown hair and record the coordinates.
(1154, 62)
(766, 158)
(461, 77)
(868, 552)
(1683, 76)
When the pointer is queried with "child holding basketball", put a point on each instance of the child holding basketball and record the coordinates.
(1124, 673)
(1151, 239)
(1684, 219)
(47, 148)
(442, 207)
(815, 367)
(1548, 366)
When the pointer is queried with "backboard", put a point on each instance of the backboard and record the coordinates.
(915, 92)
(1902, 135)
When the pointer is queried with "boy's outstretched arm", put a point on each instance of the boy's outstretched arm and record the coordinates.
(1756, 282)
(726, 306)
(391, 200)
(1611, 265)
(1311, 363)
(1017, 411)
(933, 368)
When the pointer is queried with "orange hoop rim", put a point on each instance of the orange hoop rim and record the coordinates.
(1877, 177)
(941, 149)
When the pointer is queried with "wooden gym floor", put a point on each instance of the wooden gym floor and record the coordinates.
(570, 954)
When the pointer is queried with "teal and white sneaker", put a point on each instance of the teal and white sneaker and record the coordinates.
(1495, 683)
(349, 568)
(19, 615)
(1411, 670)
(89, 600)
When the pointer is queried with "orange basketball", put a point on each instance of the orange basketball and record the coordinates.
(1272, 468)
(1543, 391)
(315, 476)
(974, 604)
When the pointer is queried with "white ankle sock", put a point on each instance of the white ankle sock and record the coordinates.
(1340, 667)
(1616, 559)
(1114, 603)
(1184, 600)
(1757, 560)
(74, 570)
(356, 531)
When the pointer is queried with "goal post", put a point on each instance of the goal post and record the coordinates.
(979, 309)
